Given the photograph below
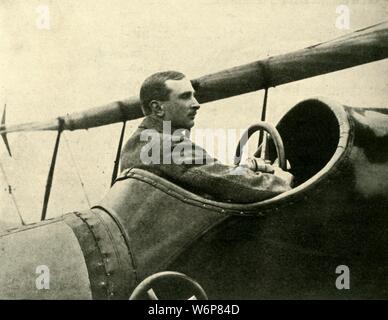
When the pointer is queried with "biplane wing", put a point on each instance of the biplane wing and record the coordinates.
(360, 47)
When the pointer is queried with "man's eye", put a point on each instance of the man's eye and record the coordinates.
(186, 96)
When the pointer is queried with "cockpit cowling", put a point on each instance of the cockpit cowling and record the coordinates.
(287, 246)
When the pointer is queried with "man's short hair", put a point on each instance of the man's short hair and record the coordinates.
(154, 88)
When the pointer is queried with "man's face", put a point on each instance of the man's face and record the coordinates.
(182, 106)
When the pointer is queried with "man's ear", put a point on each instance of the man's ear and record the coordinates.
(157, 108)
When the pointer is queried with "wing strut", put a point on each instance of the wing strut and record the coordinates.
(263, 116)
(117, 160)
(261, 147)
(51, 171)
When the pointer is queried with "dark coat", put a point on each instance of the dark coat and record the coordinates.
(196, 170)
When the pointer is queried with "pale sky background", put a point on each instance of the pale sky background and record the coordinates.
(96, 52)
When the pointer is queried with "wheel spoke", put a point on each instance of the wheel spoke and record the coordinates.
(152, 295)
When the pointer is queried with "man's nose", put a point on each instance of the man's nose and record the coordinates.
(195, 105)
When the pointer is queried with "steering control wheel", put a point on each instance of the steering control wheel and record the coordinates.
(168, 285)
(274, 133)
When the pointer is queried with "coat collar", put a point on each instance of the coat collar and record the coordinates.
(150, 122)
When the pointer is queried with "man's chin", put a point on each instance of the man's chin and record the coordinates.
(185, 126)
(188, 125)
(191, 124)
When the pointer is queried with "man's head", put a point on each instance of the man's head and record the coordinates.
(170, 96)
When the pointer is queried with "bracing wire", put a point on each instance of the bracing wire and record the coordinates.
(77, 170)
(12, 195)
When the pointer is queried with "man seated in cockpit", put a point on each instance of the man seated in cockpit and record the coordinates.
(162, 146)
